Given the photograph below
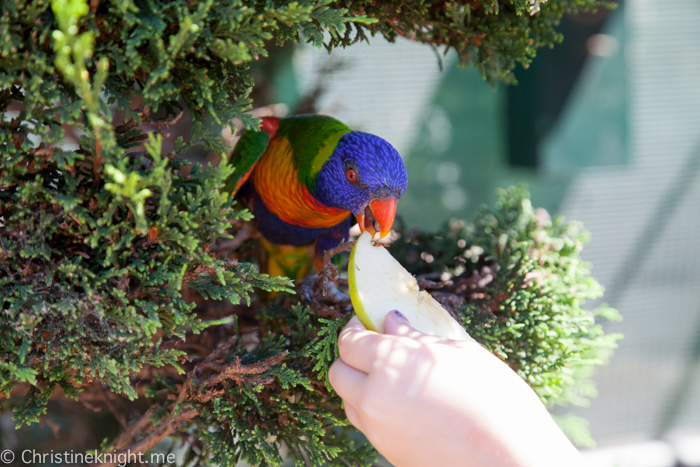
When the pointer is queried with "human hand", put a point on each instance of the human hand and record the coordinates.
(422, 400)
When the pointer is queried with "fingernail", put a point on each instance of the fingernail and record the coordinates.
(399, 316)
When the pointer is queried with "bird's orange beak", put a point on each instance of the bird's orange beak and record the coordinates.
(381, 210)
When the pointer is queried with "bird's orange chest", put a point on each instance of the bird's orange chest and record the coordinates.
(277, 183)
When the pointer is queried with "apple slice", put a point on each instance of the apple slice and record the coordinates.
(379, 284)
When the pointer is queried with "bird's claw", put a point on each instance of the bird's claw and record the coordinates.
(336, 296)
(323, 295)
(306, 290)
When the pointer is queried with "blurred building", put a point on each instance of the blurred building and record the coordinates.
(605, 129)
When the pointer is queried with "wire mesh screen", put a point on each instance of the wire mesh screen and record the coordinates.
(380, 87)
(645, 218)
(638, 107)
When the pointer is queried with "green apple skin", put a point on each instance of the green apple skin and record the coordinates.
(355, 296)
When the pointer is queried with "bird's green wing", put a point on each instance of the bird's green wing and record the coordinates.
(245, 155)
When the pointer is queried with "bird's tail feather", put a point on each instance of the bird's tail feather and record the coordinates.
(295, 262)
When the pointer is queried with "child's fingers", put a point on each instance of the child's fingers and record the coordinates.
(355, 324)
(397, 324)
(346, 381)
(358, 347)
(353, 415)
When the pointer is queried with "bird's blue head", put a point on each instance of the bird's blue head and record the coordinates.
(366, 176)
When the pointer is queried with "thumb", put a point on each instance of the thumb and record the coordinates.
(395, 323)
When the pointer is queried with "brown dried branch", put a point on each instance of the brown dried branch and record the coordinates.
(185, 407)
(426, 281)
(118, 414)
(144, 113)
(453, 295)
(449, 301)
(160, 125)
(234, 370)
(142, 424)
(97, 160)
(55, 427)
(329, 271)
(189, 275)
(228, 245)
(209, 395)
(162, 431)
(476, 283)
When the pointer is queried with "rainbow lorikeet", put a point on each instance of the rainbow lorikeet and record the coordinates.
(303, 176)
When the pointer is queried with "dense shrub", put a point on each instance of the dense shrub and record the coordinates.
(101, 228)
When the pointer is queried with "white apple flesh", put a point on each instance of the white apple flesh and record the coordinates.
(379, 284)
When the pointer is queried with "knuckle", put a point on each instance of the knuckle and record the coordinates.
(365, 400)
(344, 340)
(371, 405)
(352, 416)
(423, 356)
(348, 339)
(332, 371)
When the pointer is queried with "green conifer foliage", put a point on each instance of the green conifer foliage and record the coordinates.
(98, 239)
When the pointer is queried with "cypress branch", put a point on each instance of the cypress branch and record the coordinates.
(105, 237)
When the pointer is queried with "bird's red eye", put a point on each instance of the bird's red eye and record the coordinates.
(352, 176)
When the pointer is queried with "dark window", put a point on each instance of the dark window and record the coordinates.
(536, 102)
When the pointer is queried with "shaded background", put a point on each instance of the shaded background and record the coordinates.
(604, 129)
